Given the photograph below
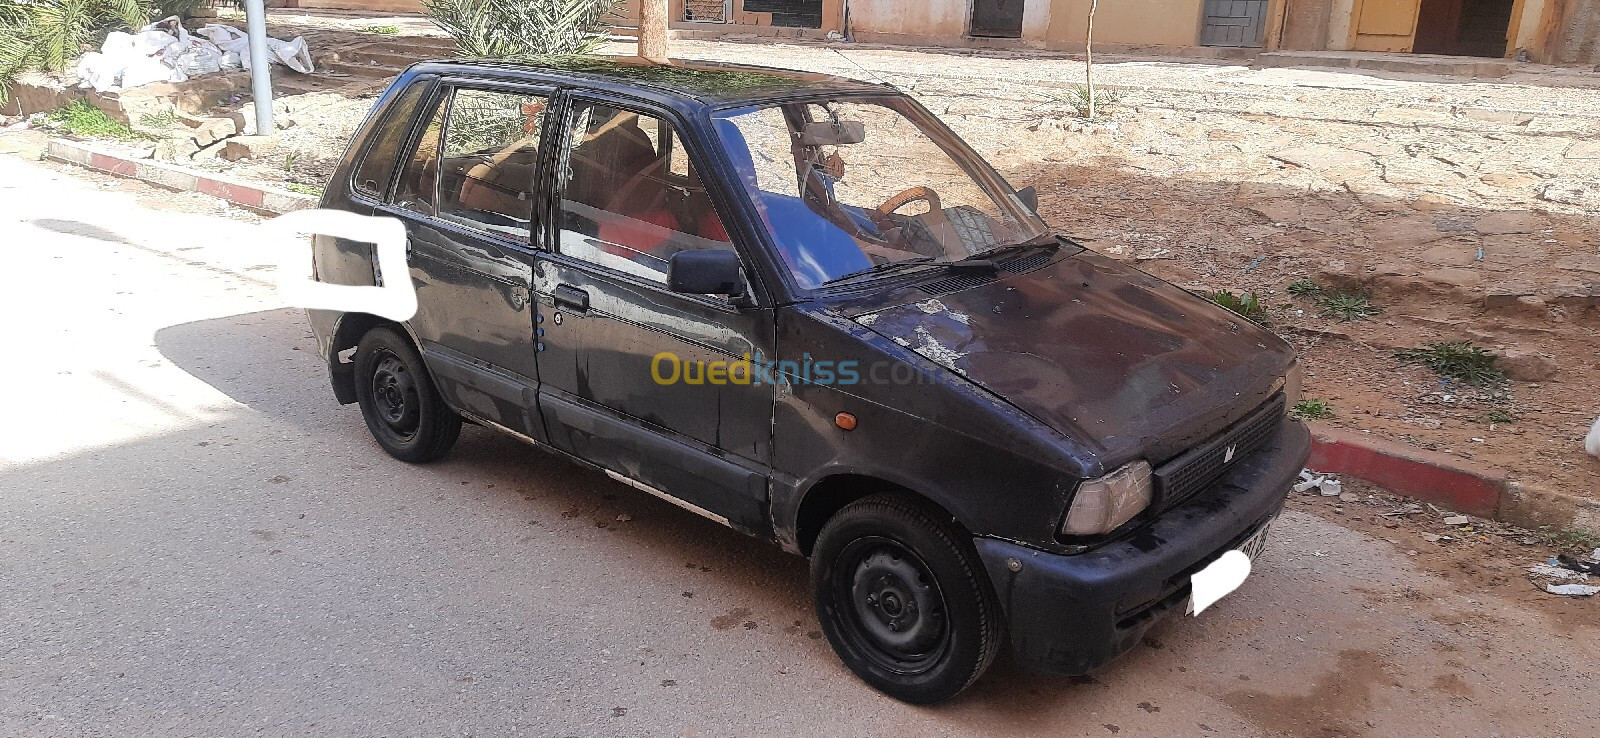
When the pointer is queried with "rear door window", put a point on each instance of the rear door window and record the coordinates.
(383, 155)
(490, 159)
(418, 187)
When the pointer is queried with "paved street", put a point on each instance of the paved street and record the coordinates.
(196, 540)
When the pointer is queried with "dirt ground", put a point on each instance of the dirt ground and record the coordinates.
(1477, 555)
(1465, 210)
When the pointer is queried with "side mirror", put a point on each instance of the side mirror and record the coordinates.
(705, 272)
(1029, 197)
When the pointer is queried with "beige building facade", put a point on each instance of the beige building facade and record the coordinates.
(1551, 31)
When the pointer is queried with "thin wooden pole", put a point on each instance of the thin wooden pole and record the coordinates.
(1088, 56)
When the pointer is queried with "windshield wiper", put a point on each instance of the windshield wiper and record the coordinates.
(998, 251)
(877, 269)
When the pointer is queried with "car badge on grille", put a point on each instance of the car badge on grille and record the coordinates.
(1227, 453)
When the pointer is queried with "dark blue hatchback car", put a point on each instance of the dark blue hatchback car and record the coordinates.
(800, 306)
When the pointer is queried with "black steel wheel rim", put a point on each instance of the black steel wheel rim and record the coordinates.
(394, 395)
(892, 608)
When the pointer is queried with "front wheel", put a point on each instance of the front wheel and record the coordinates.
(903, 600)
(398, 399)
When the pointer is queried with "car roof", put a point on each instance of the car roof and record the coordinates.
(712, 83)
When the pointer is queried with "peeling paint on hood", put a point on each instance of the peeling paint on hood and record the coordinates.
(1102, 353)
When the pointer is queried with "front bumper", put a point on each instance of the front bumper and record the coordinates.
(1073, 613)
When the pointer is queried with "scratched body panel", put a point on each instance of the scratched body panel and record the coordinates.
(1099, 351)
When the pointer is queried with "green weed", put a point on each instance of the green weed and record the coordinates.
(1498, 415)
(1458, 360)
(1569, 540)
(79, 118)
(1347, 307)
(164, 119)
(1078, 99)
(385, 30)
(1311, 409)
(1247, 305)
(1304, 288)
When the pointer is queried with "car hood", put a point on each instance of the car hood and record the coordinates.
(1107, 355)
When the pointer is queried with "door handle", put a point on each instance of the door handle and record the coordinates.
(571, 298)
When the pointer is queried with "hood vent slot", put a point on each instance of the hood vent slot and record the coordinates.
(956, 283)
(1028, 262)
(1019, 265)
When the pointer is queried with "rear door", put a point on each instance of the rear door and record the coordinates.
(470, 200)
(652, 385)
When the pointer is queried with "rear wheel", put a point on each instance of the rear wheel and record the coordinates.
(398, 400)
(903, 600)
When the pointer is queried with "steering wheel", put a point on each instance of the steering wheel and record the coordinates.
(945, 241)
(906, 197)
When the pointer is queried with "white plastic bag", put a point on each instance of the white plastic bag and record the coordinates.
(153, 43)
(118, 45)
(292, 54)
(149, 69)
(235, 46)
(200, 57)
(103, 70)
(223, 36)
(99, 71)
(232, 41)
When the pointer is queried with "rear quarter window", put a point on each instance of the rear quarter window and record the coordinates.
(382, 154)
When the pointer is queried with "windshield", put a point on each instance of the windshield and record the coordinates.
(862, 185)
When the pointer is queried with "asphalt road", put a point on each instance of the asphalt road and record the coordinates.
(196, 540)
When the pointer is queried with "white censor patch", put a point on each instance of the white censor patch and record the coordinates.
(395, 298)
(1218, 580)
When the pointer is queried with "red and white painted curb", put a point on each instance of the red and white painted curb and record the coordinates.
(1444, 480)
(239, 192)
(1448, 481)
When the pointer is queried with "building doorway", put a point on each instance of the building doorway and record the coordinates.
(997, 18)
(1452, 27)
(1462, 28)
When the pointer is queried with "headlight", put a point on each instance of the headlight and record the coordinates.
(1291, 383)
(1103, 504)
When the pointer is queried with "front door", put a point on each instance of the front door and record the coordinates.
(997, 18)
(641, 381)
(466, 197)
(1385, 25)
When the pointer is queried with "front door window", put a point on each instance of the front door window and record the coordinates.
(631, 198)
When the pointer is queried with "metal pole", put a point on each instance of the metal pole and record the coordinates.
(255, 12)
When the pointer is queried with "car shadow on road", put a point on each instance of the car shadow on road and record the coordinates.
(267, 362)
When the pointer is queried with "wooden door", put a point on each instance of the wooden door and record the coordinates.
(1385, 25)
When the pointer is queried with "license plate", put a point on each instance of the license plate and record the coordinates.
(1256, 543)
(1225, 575)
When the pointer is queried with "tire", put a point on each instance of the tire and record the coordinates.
(402, 408)
(903, 600)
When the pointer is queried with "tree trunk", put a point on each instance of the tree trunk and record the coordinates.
(653, 30)
(1088, 57)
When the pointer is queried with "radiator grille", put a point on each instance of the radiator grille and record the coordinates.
(1193, 471)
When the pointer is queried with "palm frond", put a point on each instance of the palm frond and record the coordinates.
(48, 35)
(521, 29)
